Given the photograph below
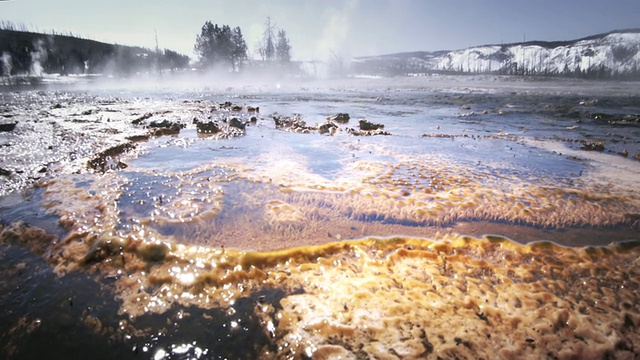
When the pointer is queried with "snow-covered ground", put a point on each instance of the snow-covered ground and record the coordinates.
(612, 54)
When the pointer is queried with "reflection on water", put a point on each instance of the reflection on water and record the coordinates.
(233, 244)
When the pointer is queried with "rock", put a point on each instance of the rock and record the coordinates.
(329, 127)
(138, 138)
(163, 131)
(8, 127)
(254, 119)
(341, 118)
(252, 109)
(236, 108)
(165, 124)
(294, 123)
(141, 118)
(208, 127)
(624, 153)
(368, 126)
(593, 146)
(105, 160)
(4, 172)
(236, 123)
(355, 132)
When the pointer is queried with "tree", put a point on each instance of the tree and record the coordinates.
(239, 52)
(283, 49)
(205, 43)
(217, 44)
(267, 50)
(173, 60)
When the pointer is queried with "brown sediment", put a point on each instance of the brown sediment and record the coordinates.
(268, 209)
(376, 297)
(399, 297)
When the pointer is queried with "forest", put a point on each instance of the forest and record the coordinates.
(23, 52)
(28, 53)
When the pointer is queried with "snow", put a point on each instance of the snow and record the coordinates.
(609, 54)
(584, 55)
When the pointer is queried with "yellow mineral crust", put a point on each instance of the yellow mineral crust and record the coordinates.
(413, 298)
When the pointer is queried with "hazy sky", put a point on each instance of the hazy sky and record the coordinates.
(315, 28)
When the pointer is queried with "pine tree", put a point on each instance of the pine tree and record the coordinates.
(217, 44)
(283, 48)
(239, 53)
(205, 43)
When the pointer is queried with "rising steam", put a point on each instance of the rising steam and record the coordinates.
(5, 59)
(38, 57)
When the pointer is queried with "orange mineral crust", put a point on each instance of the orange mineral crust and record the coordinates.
(458, 297)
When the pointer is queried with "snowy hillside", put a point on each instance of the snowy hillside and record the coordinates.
(613, 54)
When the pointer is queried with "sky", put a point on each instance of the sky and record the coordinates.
(321, 29)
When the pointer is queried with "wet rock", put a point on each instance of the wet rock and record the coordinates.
(57, 106)
(165, 131)
(6, 127)
(165, 127)
(252, 109)
(236, 123)
(165, 124)
(294, 124)
(624, 153)
(142, 118)
(208, 127)
(366, 125)
(254, 119)
(341, 118)
(106, 160)
(355, 132)
(138, 138)
(329, 127)
(236, 108)
(593, 146)
(4, 172)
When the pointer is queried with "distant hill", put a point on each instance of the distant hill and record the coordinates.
(611, 55)
(30, 53)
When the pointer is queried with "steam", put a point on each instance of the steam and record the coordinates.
(5, 59)
(332, 47)
(38, 57)
(335, 33)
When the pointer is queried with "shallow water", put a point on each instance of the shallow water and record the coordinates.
(165, 225)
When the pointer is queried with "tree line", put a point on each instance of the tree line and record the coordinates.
(28, 53)
(23, 51)
(221, 45)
